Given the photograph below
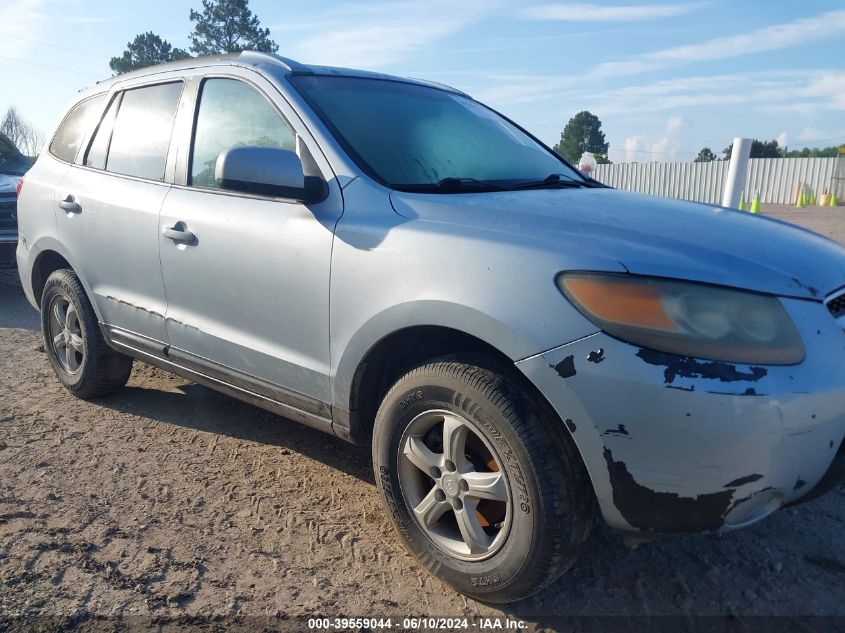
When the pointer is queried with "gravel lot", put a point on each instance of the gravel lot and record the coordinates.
(167, 500)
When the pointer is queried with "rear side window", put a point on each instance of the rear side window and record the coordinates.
(141, 132)
(66, 142)
(232, 113)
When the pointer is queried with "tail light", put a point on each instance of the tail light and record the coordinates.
(20, 186)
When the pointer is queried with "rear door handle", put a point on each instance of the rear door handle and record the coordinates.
(179, 234)
(69, 204)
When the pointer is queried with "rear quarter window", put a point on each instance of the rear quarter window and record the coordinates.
(69, 136)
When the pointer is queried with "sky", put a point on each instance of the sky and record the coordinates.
(665, 78)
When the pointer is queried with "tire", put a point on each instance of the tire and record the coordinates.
(91, 368)
(549, 502)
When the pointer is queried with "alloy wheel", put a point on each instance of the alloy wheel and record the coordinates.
(65, 333)
(455, 486)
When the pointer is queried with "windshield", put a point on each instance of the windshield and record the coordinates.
(410, 136)
(11, 160)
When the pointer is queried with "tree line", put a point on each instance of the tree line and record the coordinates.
(583, 133)
(769, 149)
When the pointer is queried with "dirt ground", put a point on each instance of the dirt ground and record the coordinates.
(168, 500)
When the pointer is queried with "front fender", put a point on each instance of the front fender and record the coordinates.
(423, 313)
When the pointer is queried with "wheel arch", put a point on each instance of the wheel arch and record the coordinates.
(367, 370)
(45, 264)
(52, 256)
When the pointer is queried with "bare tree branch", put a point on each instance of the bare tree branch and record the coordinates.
(21, 132)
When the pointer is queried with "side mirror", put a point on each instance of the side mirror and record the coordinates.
(267, 171)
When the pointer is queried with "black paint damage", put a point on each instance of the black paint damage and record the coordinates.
(743, 480)
(652, 511)
(748, 392)
(570, 425)
(813, 291)
(566, 367)
(596, 356)
(688, 367)
(619, 430)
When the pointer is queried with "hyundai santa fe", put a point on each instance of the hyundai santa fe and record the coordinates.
(392, 262)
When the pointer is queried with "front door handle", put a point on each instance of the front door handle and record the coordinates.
(69, 204)
(179, 234)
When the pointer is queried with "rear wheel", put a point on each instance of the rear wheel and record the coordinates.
(83, 362)
(481, 483)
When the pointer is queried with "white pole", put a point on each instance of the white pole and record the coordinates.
(735, 182)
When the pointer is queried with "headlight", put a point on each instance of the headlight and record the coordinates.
(686, 318)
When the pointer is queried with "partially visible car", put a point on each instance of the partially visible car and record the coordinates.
(13, 165)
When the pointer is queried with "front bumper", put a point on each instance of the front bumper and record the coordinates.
(676, 445)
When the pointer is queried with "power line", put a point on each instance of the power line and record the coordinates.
(824, 140)
(645, 151)
(64, 48)
(67, 70)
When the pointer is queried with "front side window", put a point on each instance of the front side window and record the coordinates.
(142, 128)
(232, 113)
(409, 135)
(68, 137)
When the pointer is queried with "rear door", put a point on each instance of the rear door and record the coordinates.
(108, 207)
(248, 300)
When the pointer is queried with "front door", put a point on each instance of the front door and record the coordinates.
(248, 294)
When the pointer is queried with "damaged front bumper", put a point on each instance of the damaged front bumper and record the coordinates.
(674, 444)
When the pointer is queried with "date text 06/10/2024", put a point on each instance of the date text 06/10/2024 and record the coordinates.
(417, 623)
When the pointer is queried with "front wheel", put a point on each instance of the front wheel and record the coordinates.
(481, 483)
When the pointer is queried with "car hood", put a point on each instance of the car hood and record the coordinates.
(650, 236)
(8, 183)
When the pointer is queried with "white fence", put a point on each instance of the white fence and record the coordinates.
(776, 179)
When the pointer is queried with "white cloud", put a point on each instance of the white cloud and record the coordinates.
(582, 12)
(664, 148)
(772, 92)
(779, 36)
(829, 86)
(810, 134)
(775, 92)
(378, 34)
(782, 138)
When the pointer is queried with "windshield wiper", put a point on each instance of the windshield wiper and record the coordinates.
(468, 185)
(553, 181)
(449, 185)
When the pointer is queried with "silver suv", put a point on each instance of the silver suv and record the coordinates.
(392, 262)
